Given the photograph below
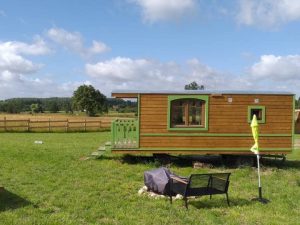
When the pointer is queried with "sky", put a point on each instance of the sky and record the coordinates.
(49, 48)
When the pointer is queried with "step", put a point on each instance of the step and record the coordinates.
(101, 148)
(108, 143)
(98, 153)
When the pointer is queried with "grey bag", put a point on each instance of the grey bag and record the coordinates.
(158, 180)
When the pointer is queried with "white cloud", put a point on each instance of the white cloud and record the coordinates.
(204, 74)
(16, 71)
(159, 10)
(18, 85)
(268, 13)
(39, 47)
(98, 48)
(12, 56)
(20, 75)
(73, 41)
(271, 73)
(146, 74)
(127, 69)
(277, 68)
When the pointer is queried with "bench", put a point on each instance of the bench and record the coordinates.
(200, 185)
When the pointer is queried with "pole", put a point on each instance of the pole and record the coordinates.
(259, 182)
(260, 198)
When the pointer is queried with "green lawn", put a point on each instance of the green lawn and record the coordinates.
(49, 184)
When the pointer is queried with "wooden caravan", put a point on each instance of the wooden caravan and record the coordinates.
(204, 122)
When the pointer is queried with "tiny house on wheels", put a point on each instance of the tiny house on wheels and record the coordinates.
(205, 122)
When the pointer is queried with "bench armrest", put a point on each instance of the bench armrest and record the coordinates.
(181, 180)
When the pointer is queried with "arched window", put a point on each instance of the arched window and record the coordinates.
(189, 112)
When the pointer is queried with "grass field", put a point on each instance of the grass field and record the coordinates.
(50, 184)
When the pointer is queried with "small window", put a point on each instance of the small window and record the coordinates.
(259, 111)
(187, 112)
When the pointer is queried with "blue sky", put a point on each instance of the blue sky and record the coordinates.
(48, 48)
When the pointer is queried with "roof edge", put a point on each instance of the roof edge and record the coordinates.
(241, 92)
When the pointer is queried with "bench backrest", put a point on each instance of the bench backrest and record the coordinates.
(218, 181)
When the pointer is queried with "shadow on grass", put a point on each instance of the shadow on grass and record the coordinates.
(212, 161)
(136, 159)
(107, 157)
(218, 203)
(179, 161)
(287, 164)
(9, 200)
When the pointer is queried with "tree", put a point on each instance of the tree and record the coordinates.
(36, 108)
(68, 107)
(53, 107)
(193, 86)
(297, 103)
(87, 98)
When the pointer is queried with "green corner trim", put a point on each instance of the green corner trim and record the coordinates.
(293, 123)
(263, 108)
(205, 149)
(139, 119)
(176, 97)
(210, 135)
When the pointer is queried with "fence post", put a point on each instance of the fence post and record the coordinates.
(100, 124)
(84, 124)
(67, 127)
(49, 126)
(5, 124)
(28, 125)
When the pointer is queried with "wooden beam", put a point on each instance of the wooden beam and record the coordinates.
(124, 95)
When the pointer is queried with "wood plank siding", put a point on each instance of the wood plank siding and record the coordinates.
(223, 118)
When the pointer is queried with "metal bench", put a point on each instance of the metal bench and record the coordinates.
(200, 185)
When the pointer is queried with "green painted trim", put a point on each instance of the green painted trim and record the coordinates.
(209, 135)
(112, 131)
(125, 131)
(204, 149)
(293, 123)
(139, 119)
(176, 97)
(263, 108)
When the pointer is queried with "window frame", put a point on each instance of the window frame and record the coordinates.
(204, 98)
(263, 108)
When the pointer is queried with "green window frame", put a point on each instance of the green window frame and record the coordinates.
(257, 107)
(204, 98)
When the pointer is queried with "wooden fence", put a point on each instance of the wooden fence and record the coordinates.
(52, 125)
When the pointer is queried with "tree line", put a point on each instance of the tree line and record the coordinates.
(85, 98)
(18, 105)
